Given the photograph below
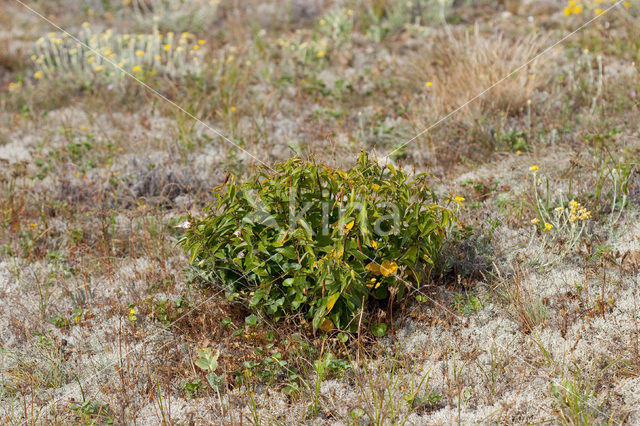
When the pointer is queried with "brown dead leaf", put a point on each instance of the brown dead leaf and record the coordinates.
(631, 261)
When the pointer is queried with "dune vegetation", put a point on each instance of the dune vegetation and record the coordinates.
(319, 212)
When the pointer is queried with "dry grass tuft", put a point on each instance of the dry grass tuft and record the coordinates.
(463, 67)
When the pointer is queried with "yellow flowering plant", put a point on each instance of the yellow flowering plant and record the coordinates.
(307, 238)
(94, 55)
(565, 220)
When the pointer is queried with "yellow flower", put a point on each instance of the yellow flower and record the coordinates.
(320, 53)
(388, 268)
(38, 75)
(627, 4)
(374, 283)
(573, 206)
(348, 226)
(518, 152)
(91, 59)
(98, 68)
(598, 11)
(459, 199)
(584, 214)
(559, 208)
(373, 267)
(547, 227)
(327, 325)
(132, 311)
(158, 58)
(140, 53)
(533, 168)
(374, 244)
(428, 84)
(196, 47)
(233, 109)
(535, 220)
(136, 68)
(14, 87)
(201, 41)
(167, 47)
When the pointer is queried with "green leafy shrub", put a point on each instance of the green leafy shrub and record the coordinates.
(305, 238)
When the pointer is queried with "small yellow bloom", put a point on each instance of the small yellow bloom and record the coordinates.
(547, 227)
(559, 208)
(201, 41)
(140, 53)
(627, 4)
(459, 199)
(598, 11)
(428, 84)
(373, 267)
(33, 225)
(320, 53)
(233, 109)
(196, 46)
(98, 68)
(373, 283)
(349, 225)
(158, 58)
(132, 311)
(388, 268)
(374, 244)
(231, 58)
(535, 220)
(167, 47)
(518, 152)
(533, 168)
(38, 75)
(322, 22)
(91, 59)
(137, 68)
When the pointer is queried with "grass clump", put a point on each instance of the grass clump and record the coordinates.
(306, 239)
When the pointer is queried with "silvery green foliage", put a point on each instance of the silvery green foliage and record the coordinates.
(174, 15)
(104, 55)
